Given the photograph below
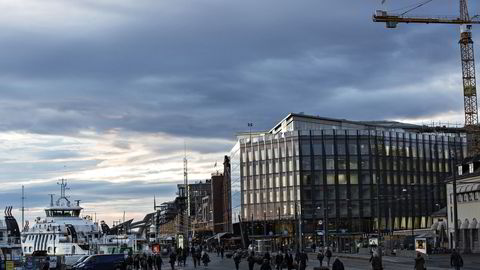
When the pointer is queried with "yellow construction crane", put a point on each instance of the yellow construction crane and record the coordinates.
(468, 61)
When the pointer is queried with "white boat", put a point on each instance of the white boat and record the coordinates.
(63, 231)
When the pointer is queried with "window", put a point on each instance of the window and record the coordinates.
(330, 163)
(342, 165)
(330, 179)
(342, 179)
(353, 179)
(305, 148)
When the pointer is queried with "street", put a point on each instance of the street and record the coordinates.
(390, 263)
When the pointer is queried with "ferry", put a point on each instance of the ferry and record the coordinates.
(62, 232)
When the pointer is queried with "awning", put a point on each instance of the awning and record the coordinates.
(468, 188)
(465, 225)
(474, 224)
(434, 226)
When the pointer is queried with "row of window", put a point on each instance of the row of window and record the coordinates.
(292, 180)
(291, 148)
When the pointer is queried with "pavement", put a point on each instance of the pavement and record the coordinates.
(350, 261)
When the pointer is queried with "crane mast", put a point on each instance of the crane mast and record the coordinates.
(468, 64)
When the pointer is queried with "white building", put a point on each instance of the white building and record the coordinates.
(468, 205)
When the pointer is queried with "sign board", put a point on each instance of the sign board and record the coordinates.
(156, 248)
(180, 241)
(421, 245)
(373, 241)
(9, 265)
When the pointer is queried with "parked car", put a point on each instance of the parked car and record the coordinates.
(104, 262)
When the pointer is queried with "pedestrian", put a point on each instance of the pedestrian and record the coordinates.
(320, 257)
(205, 259)
(456, 260)
(184, 257)
(136, 262)
(128, 262)
(46, 264)
(419, 262)
(303, 260)
(237, 258)
(251, 260)
(150, 262)
(222, 251)
(338, 265)
(158, 261)
(328, 254)
(144, 262)
(279, 260)
(173, 258)
(376, 261)
(265, 265)
(267, 257)
(290, 261)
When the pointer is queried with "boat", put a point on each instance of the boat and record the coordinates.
(62, 232)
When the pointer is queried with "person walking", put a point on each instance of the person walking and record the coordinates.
(279, 260)
(320, 257)
(456, 260)
(328, 254)
(222, 251)
(184, 257)
(46, 264)
(419, 262)
(150, 262)
(173, 258)
(338, 265)
(237, 258)
(290, 261)
(158, 261)
(266, 265)
(251, 260)
(136, 262)
(303, 260)
(376, 261)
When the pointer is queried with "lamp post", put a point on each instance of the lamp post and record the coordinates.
(455, 212)
(265, 224)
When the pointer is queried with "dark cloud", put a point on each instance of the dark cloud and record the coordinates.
(207, 69)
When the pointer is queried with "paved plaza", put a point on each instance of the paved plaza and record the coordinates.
(351, 262)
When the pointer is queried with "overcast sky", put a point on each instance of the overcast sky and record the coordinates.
(107, 93)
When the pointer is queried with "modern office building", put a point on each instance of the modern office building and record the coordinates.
(311, 173)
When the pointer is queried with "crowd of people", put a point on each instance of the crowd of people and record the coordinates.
(284, 259)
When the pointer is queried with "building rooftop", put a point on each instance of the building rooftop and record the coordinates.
(300, 121)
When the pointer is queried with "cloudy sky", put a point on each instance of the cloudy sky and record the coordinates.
(107, 93)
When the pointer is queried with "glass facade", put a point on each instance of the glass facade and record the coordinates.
(355, 179)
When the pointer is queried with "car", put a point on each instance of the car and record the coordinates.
(104, 262)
